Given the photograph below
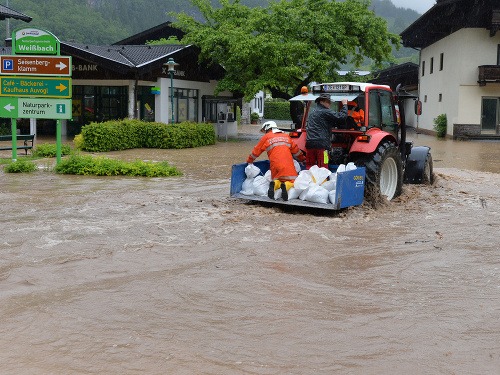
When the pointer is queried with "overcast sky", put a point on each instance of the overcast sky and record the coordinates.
(420, 6)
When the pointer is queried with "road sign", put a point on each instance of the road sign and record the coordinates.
(36, 65)
(34, 41)
(35, 87)
(55, 109)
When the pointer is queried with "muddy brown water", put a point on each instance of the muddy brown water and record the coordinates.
(171, 276)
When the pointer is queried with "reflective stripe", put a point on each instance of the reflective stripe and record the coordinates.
(288, 177)
(270, 147)
(253, 156)
(297, 153)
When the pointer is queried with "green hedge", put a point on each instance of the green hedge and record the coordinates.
(277, 110)
(125, 134)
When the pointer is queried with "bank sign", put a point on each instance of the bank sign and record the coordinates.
(30, 41)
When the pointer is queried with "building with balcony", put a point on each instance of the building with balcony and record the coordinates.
(459, 70)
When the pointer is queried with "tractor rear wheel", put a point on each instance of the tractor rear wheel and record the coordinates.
(384, 172)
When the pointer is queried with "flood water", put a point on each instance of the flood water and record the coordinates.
(118, 275)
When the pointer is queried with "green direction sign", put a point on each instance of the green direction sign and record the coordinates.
(33, 41)
(55, 109)
(36, 87)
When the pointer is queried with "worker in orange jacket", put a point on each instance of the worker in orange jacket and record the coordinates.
(356, 113)
(281, 150)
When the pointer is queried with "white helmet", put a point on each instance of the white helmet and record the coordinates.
(268, 125)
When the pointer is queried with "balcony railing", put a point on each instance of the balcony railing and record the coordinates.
(488, 74)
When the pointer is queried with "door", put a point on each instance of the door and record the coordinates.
(489, 116)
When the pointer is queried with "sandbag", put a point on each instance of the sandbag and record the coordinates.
(251, 170)
(315, 193)
(303, 180)
(294, 193)
(260, 185)
(319, 175)
(247, 187)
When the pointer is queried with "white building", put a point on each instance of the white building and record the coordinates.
(459, 73)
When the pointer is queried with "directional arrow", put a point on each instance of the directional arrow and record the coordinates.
(61, 65)
(61, 87)
(9, 107)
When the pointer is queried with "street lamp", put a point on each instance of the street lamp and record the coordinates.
(171, 64)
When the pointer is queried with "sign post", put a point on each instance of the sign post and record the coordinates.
(34, 82)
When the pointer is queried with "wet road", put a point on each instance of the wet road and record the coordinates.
(170, 276)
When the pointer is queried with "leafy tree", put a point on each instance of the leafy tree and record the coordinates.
(286, 45)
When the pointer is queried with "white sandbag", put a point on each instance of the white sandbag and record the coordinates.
(251, 170)
(260, 185)
(303, 180)
(297, 166)
(247, 187)
(331, 196)
(277, 194)
(331, 183)
(319, 175)
(350, 166)
(341, 168)
(315, 193)
(268, 176)
(294, 193)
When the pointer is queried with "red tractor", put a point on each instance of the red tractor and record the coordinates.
(376, 140)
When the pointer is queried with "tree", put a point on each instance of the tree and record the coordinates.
(286, 45)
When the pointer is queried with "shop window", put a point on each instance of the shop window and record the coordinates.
(185, 105)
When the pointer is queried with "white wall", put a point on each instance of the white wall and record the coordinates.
(463, 52)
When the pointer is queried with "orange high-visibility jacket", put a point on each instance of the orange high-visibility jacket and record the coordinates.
(358, 116)
(280, 150)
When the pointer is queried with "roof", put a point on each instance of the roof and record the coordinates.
(6, 12)
(405, 74)
(163, 30)
(128, 56)
(449, 16)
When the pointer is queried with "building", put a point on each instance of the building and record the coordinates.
(131, 80)
(459, 70)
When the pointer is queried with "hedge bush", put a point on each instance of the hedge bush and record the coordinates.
(125, 134)
(20, 166)
(49, 150)
(277, 110)
(100, 166)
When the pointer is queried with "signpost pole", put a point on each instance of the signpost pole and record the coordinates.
(58, 141)
(13, 129)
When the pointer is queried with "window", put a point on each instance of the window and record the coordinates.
(423, 68)
(431, 68)
(441, 61)
(185, 105)
(440, 97)
(498, 54)
(381, 111)
(425, 98)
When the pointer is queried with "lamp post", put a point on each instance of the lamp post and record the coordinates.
(171, 64)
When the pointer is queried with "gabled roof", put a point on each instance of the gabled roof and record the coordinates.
(6, 12)
(163, 30)
(449, 16)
